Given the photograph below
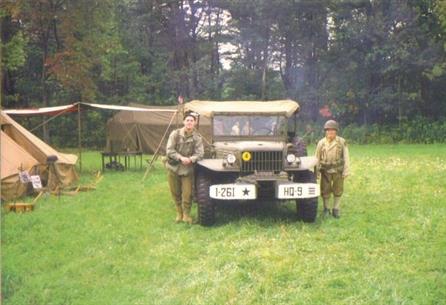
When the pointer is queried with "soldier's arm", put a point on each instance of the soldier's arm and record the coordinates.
(318, 155)
(346, 155)
(318, 150)
(198, 150)
(171, 152)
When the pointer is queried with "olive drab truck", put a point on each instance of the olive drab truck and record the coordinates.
(253, 154)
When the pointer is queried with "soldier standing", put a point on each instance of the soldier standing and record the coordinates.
(332, 154)
(184, 149)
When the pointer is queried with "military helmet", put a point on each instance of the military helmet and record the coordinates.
(331, 124)
(192, 114)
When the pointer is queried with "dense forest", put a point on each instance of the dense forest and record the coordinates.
(378, 66)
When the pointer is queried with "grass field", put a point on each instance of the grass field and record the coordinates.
(119, 244)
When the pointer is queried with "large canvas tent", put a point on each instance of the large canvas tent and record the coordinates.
(144, 131)
(20, 149)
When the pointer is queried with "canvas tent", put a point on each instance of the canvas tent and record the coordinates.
(21, 149)
(143, 131)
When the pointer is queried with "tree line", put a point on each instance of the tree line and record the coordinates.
(362, 62)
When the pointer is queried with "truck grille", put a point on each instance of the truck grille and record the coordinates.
(263, 161)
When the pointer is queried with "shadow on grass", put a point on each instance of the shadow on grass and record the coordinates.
(262, 212)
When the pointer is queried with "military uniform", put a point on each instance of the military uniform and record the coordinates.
(181, 177)
(334, 166)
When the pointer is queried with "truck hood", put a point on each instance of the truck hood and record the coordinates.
(250, 146)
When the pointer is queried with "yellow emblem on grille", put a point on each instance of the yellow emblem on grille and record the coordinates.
(246, 156)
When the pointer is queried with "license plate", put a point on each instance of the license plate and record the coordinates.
(297, 190)
(233, 191)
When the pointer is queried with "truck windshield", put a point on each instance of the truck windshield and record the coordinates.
(249, 125)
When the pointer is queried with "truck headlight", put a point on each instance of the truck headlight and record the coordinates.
(291, 158)
(230, 158)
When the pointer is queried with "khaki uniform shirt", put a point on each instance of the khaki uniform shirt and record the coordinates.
(183, 144)
(333, 156)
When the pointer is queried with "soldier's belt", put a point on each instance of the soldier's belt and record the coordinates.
(337, 166)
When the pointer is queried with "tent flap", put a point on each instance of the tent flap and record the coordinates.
(56, 110)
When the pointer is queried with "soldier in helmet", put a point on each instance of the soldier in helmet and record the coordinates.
(184, 149)
(334, 161)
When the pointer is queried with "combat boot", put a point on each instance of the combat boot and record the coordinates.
(179, 217)
(186, 216)
(326, 212)
(336, 213)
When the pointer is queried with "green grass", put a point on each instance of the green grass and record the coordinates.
(119, 244)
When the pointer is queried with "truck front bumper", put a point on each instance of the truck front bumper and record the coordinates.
(248, 191)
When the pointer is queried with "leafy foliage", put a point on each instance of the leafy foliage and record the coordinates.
(367, 62)
(13, 53)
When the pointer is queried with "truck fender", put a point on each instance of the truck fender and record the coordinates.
(216, 165)
(306, 163)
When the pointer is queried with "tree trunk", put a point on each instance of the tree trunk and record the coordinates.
(265, 67)
(44, 38)
(286, 73)
(46, 131)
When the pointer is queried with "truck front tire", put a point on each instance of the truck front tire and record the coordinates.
(306, 208)
(206, 207)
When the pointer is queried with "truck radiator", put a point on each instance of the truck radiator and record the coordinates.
(263, 161)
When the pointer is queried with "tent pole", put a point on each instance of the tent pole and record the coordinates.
(156, 153)
(79, 139)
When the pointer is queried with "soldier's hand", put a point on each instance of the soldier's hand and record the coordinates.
(185, 160)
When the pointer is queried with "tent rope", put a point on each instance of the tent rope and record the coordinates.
(155, 155)
(51, 118)
(206, 140)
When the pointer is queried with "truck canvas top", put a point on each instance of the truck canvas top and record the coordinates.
(209, 108)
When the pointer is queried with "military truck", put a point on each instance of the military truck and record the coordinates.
(253, 154)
